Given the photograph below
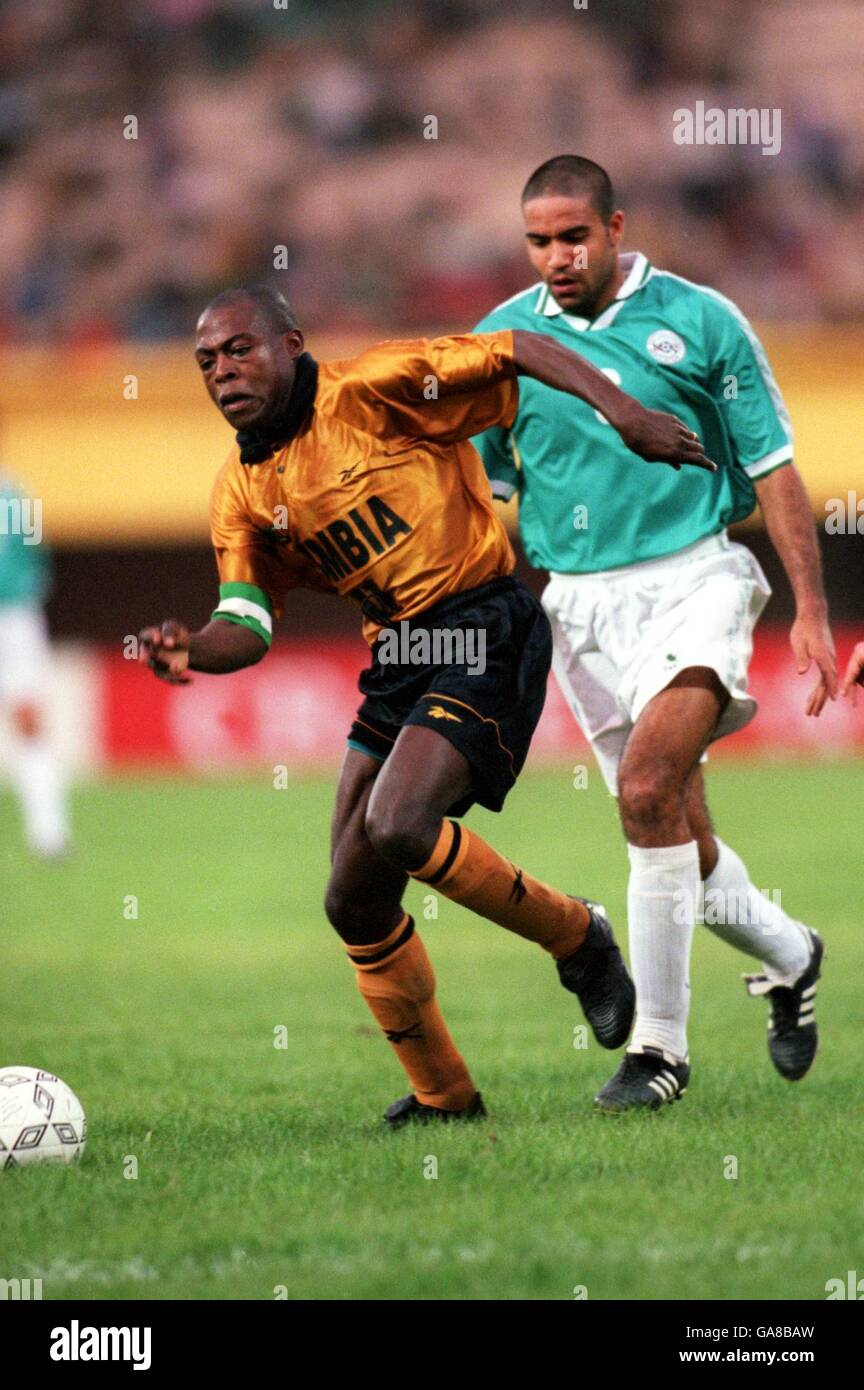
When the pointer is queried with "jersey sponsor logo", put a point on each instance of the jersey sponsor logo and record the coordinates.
(666, 346)
(438, 712)
(349, 543)
(345, 474)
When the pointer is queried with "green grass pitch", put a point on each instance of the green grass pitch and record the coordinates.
(264, 1169)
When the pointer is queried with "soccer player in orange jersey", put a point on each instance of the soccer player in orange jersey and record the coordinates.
(357, 477)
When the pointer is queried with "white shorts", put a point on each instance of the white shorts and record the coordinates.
(622, 635)
(24, 653)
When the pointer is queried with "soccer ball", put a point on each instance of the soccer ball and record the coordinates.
(40, 1119)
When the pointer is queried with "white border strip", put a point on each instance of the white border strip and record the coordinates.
(245, 608)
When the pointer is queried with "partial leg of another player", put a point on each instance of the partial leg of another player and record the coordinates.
(425, 775)
(35, 767)
(394, 974)
(390, 822)
(38, 779)
(747, 919)
(664, 887)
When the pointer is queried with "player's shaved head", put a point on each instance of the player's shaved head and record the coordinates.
(247, 344)
(571, 176)
(273, 308)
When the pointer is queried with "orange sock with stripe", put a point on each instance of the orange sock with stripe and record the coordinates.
(467, 870)
(396, 979)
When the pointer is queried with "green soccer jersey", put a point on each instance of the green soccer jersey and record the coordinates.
(24, 569)
(586, 503)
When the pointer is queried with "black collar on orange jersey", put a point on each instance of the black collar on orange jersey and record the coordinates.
(257, 446)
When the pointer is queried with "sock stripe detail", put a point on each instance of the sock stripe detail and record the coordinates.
(451, 855)
(386, 950)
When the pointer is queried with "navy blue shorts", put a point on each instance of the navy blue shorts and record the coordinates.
(473, 668)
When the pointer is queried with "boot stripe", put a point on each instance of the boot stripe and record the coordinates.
(665, 1084)
(662, 1086)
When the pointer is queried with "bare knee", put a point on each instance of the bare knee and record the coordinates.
(27, 719)
(341, 909)
(358, 918)
(403, 834)
(650, 802)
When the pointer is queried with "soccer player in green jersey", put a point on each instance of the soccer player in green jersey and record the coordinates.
(652, 606)
(24, 660)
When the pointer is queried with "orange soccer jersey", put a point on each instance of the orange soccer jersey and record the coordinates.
(380, 497)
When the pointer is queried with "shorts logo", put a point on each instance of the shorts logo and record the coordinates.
(436, 712)
(666, 346)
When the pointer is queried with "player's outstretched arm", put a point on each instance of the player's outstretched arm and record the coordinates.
(652, 434)
(171, 651)
(789, 522)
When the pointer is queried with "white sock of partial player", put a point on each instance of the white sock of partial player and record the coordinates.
(738, 913)
(40, 784)
(662, 898)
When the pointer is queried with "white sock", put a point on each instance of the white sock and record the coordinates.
(39, 782)
(738, 913)
(662, 899)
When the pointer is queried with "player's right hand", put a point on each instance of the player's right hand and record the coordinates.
(854, 675)
(661, 438)
(165, 650)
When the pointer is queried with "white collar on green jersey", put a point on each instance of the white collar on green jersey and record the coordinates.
(636, 270)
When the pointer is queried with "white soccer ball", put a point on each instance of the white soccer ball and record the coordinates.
(41, 1120)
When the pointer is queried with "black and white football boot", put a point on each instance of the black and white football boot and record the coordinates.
(793, 1037)
(597, 975)
(645, 1080)
(409, 1110)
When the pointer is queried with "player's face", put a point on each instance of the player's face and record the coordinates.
(574, 251)
(248, 368)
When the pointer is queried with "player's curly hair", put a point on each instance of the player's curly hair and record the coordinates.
(568, 174)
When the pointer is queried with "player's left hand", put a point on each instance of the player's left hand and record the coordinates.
(811, 641)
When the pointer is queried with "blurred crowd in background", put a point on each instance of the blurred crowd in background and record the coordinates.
(303, 125)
